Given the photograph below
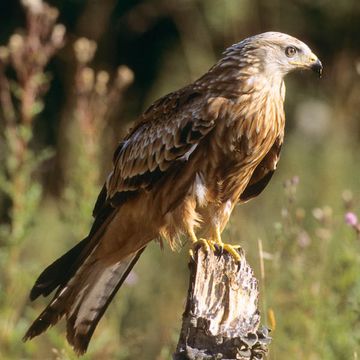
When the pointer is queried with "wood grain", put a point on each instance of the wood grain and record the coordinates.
(221, 319)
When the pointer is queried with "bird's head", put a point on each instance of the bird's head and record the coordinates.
(277, 53)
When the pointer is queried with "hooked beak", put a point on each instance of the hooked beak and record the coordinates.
(310, 62)
(316, 65)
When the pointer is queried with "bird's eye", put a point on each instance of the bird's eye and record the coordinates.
(290, 51)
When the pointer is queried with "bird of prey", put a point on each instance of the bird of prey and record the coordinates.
(192, 156)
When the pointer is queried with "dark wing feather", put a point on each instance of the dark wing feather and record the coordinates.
(100, 201)
(263, 172)
(60, 271)
(167, 134)
(56, 273)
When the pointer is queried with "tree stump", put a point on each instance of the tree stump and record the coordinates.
(221, 318)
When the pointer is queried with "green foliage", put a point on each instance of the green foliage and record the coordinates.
(311, 263)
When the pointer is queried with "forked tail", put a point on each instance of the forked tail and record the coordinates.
(83, 295)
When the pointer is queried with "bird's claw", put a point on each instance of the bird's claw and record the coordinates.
(215, 245)
(207, 245)
(234, 250)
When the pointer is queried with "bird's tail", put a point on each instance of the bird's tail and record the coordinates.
(83, 295)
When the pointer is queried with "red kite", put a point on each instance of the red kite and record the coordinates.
(193, 155)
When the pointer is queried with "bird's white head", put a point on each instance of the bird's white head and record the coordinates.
(275, 53)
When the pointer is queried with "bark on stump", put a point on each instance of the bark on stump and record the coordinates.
(221, 318)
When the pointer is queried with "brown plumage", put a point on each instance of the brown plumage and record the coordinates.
(193, 155)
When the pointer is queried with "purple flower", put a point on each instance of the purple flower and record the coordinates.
(295, 180)
(351, 219)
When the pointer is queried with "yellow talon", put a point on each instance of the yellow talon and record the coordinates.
(207, 245)
(233, 250)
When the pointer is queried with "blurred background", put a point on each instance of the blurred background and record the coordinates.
(75, 74)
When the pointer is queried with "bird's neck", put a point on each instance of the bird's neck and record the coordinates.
(235, 81)
(262, 106)
(272, 84)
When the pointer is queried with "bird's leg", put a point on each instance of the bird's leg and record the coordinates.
(207, 245)
(231, 249)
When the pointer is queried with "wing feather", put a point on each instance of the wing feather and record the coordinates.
(166, 136)
(263, 172)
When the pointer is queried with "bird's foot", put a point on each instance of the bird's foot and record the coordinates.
(214, 245)
(207, 245)
(234, 250)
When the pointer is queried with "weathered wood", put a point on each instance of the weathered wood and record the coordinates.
(221, 319)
